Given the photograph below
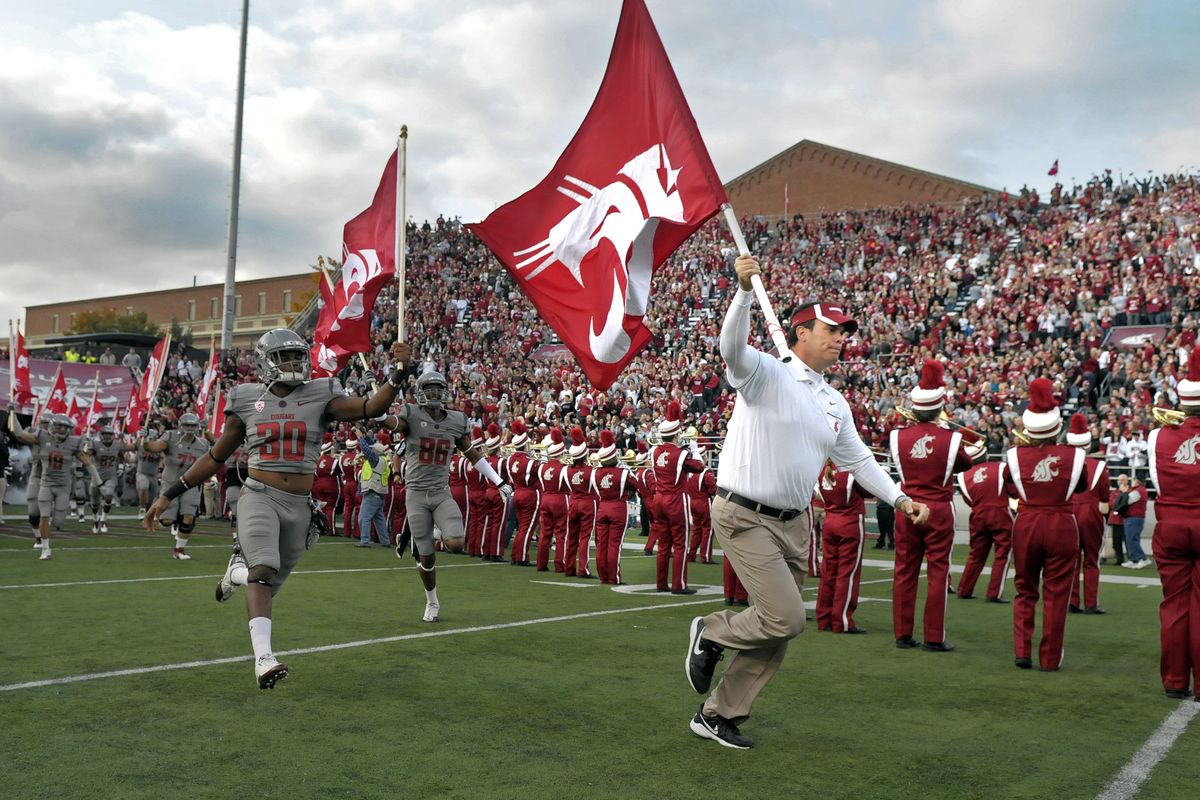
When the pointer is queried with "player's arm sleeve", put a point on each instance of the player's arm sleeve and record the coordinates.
(741, 360)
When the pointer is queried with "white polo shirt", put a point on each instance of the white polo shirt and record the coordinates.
(787, 421)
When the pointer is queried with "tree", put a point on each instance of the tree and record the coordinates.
(107, 320)
(179, 334)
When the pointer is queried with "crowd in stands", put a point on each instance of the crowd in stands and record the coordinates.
(1004, 288)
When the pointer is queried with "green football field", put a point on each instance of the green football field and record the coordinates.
(120, 677)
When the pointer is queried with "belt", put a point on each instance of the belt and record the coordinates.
(784, 514)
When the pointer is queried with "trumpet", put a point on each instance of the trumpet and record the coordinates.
(1167, 416)
(1021, 438)
(943, 419)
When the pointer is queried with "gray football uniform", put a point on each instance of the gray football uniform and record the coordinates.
(35, 474)
(177, 460)
(106, 458)
(147, 472)
(429, 445)
(57, 460)
(283, 434)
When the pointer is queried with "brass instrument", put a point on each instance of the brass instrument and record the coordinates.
(628, 458)
(689, 435)
(1167, 416)
(1021, 438)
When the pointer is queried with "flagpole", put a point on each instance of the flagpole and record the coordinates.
(12, 378)
(401, 227)
(152, 401)
(361, 358)
(92, 407)
(760, 291)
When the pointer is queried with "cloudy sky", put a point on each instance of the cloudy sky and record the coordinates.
(117, 117)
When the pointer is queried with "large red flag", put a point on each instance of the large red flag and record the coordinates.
(56, 401)
(135, 412)
(630, 187)
(368, 263)
(78, 415)
(216, 423)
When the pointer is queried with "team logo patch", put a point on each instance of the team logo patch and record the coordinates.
(1046, 470)
(259, 405)
(922, 447)
(1188, 452)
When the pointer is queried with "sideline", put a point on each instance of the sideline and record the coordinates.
(1136, 771)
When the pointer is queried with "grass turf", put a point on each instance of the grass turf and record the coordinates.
(589, 707)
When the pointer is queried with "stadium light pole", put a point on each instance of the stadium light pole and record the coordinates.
(231, 245)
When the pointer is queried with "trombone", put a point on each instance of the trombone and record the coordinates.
(1168, 417)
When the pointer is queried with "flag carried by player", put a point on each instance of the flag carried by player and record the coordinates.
(368, 263)
(20, 385)
(56, 401)
(79, 416)
(216, 422)
(144, 402)
(632, 185)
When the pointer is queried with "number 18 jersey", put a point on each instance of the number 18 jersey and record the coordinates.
(429, 444)
(284, 434)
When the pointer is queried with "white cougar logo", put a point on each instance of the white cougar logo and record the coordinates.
(1188, 452)
(921, 447)
(606, 482)
(626, 212)
(1046, 470)
(980, 476)
(357, 269)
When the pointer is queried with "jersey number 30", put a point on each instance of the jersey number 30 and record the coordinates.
(286, 442)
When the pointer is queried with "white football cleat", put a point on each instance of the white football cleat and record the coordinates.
(269, 671)
(104, 525)
(95, 527)
(180, 555)
(45, 556)
(37, 543)
(431, 612)
(141, 513)
(226, 586)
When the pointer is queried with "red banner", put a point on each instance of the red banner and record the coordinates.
(113, 387)
(632, 185)
(368, 263)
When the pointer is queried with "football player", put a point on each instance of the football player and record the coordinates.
(431, 434)
(58, 449)
(148, 466)
(282, 419)
(180, 449)
(106, 453)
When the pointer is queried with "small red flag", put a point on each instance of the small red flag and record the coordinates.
(1053, 168)
(56, 401)
(216, 423)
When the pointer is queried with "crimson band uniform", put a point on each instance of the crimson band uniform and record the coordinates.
(613, 486)
(552, 483)
(927, 456)
(1086, 506)
(844, 532)
(701, 489)
(1175, 469)
(1045, 543)
(349, 472)
(646, 488)
(581, 519)
(983, 490)
(671, 466)
(495, 509)
(325, 485)
(477, 508)
(397, 512)
(523, 473)
(458, 487)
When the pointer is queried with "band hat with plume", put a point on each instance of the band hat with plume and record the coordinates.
(1078, 434)
(608, 446)
(1042, 418)
(930, 393)
(520, 434)
(578, 443)
(1189, 388)
(493, 433)
(674, 419)
(476, 436)
(557, 444)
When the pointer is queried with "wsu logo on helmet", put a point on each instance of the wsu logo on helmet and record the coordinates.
(626, 213)
(1046, 470)
(922, 448)
(1188, 452)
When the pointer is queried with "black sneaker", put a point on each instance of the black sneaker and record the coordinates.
(907, 642)
(720, 730)
(701, 659)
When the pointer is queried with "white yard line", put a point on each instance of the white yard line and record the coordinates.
(93, 676)
(1137, 770)
(210, 577)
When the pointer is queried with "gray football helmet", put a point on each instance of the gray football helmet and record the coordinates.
(189, 424)
(60, 427)
(281, 356)
(44, 420)
(107, 435)
(432, 390)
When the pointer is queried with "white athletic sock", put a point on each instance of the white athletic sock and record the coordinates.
(431, 596)
(239, 575)
(260, 636)
(180, 543)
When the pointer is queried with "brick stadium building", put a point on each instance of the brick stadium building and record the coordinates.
(818, 177)
(260, 305)
(823, 178)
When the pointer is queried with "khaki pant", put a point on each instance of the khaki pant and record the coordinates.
(771, 558)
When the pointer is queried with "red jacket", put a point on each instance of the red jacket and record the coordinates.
(612, 483)
(1175, 466)
(1045, 477)
(841, 494)
(552, 477)
(523, 471)
(928, 456)
(671, 462)
(982, 486)
(701, 485)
